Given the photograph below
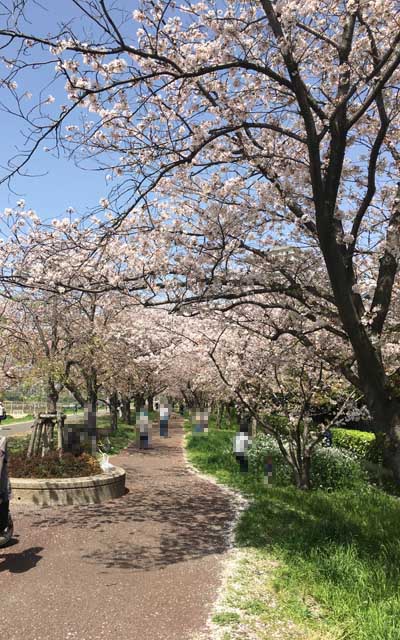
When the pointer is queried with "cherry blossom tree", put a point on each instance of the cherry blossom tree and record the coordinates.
(277, 383)
(229, 128)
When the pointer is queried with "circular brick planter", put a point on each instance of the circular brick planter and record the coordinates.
(69, 491)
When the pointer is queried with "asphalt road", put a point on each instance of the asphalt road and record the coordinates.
(15, 428)
(21, 428)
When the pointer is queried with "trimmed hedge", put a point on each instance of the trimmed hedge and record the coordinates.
(365, 445)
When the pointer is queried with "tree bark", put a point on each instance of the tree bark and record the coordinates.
(139, 402)
(60, 436)
(114, 411)
(52, 396)
(75, 392)
(302, 474)
(387, 420)
(126, 410)
(150, 401)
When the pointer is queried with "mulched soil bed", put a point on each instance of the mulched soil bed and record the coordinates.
(51, 466)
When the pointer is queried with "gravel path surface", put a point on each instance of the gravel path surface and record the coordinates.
(146, 566)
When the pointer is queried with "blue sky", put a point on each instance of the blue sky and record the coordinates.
(58, 184)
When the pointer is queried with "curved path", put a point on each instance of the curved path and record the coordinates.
(144, 567)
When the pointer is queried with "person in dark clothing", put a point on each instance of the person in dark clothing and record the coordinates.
(327, 439)
(4, 487)
(242, 442)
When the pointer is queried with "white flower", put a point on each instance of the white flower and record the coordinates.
(348, 238)
(104, 203)
(50, 99)
(356, 288)
(21, 203)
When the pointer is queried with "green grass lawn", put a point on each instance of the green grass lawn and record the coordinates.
(124, 435)
(311, 565)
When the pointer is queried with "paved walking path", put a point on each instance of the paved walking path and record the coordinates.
(144, 567)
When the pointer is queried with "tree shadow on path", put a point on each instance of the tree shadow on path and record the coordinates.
(21, 562)
(168, 516)
(194, 521)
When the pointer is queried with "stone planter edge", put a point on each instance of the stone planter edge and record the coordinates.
(69, 491)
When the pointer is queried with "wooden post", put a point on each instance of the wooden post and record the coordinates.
(32, 440)
(60, 426)
(38, 439)
(46, 433)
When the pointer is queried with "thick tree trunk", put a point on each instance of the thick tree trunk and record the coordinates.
(150, 401)
(139, 402)
(386, 417)
(126, 410)
(372, 379)
(52, 397)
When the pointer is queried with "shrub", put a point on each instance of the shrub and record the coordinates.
(334, 468)
(51, 466)
(331, 468)
(266, 446)
(365, 445)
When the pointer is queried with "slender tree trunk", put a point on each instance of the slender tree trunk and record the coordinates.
(91, 413)
(114, 411)
(150, 401)
(302, 473)
(76, 393)
(38, 439)
(219, 414)
(60, 434)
